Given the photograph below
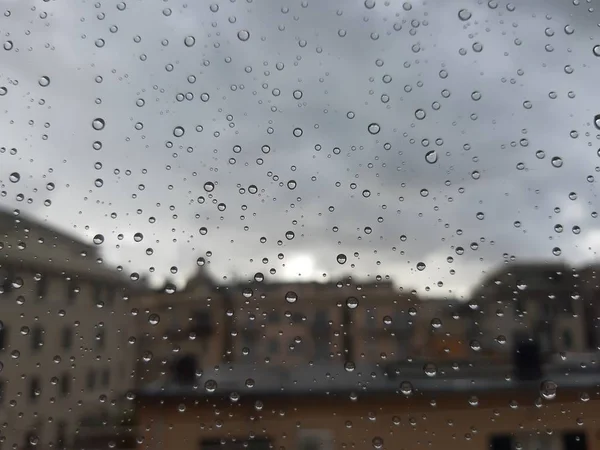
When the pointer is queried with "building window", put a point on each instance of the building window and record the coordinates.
(315, 440)
(66, 338)
(111, 293)
(34, 388)
(90, 380)
(101, 339)
(6, 280)
(567, 338)
(236, 444)
(273, 346)
(37, 338)
(97, 294)
(3, 337)
(61, 435)
(274, 317)
(65, 385)
(574, 441)
(71, 292)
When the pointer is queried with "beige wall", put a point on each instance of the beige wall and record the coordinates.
(54, 313)
(401, 423)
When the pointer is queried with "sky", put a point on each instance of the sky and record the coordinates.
(427, 142)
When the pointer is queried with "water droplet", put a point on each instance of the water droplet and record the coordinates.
(557, 161)
(369, 4)
(209, 186)
(341, 258)
(431, 157)
(298, 132)
(189, 41)
(98, 124)
(596, 50)
(8, 45)
(374, 128)
(178, 131)
(352, 302)
(210, 386)
(377, 443)
(420, 114)
(98, 239)
(153, 319)
(14, 177)
(291, 184)
(406, 387)
(464, 14)
(44, 81)
(297, 94)
(548, 389)
(421, 266)
(291, 297)
(430, 369)
(597, 121)
(243, 35)
(138, 237)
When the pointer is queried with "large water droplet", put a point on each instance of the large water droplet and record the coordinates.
(352, 302)
(431, 157)
(374, 128)
(44, 81)
(341, 258)
(243, 35)
(430, 369)
(291, 297)
(189, 41)
(548, 389)
(98, 124)
(464, 14)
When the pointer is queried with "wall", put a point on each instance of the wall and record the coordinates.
(402, 423)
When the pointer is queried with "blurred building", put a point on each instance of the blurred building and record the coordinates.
(327, 407)
(534, 300)
(64, 331)
(274, 324)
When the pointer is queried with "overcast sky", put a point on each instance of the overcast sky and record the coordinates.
(486, 89)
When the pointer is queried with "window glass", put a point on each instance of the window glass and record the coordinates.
(299, 224)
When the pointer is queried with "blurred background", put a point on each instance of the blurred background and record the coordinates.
(299, 225)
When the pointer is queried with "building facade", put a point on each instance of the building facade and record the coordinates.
(65, 336)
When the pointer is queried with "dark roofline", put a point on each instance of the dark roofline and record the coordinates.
(333, 380)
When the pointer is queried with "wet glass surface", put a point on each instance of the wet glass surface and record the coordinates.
(299, 225)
